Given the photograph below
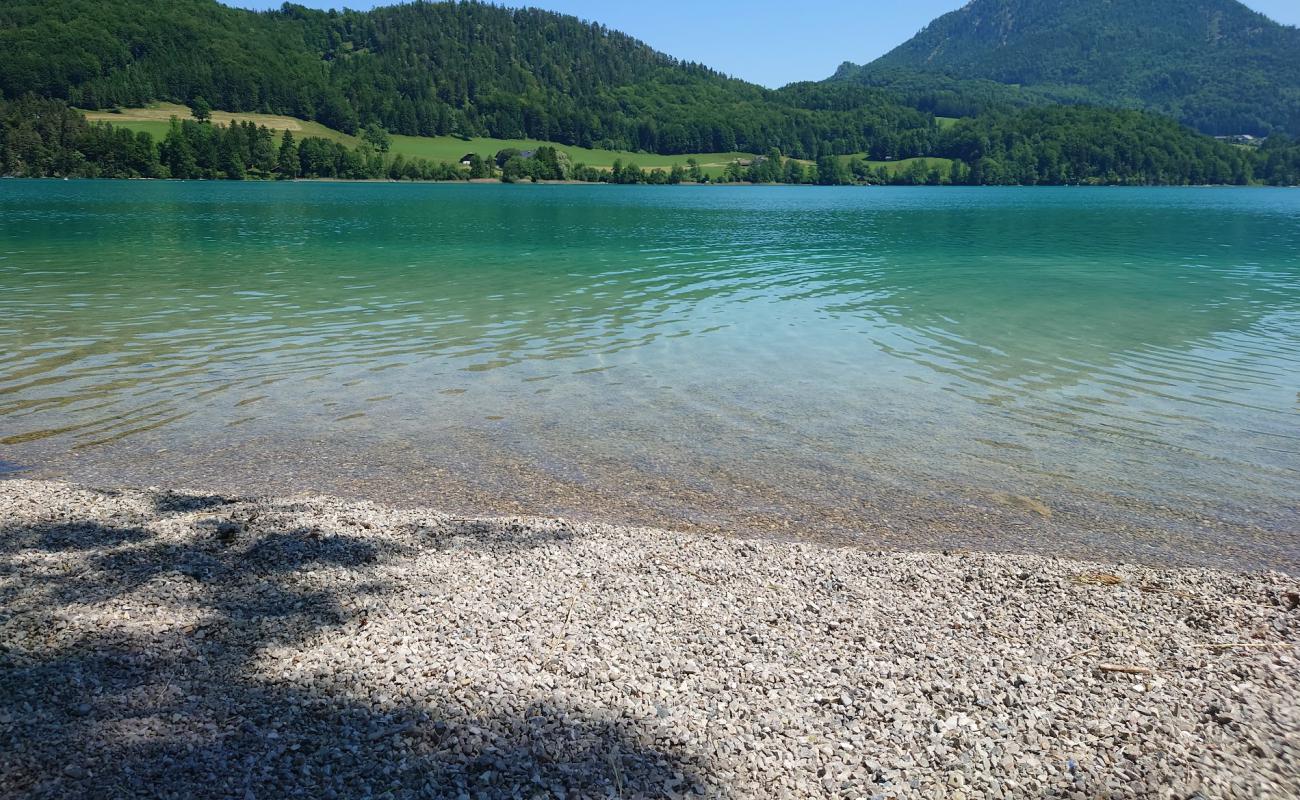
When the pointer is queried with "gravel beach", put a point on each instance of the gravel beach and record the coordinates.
(169, 644)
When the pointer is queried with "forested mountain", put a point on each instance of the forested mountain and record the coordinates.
(1215, 65)
(474, 69)
(425, 69)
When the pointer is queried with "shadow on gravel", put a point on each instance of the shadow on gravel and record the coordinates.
(476, 536)
(177, 503)
(180, 688)
(67, 537)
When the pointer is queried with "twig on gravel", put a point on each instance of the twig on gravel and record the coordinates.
(613, 759)
(1153, 589)
(568, 615)
(1126, 670)
(561, 642)
(687, 570)
(1098, 579)
(393, 731)
(1073, 656)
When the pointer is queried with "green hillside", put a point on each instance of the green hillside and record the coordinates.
(901, 166)
(1215, 65)
(448, 148)
(155, 120)
(422, 69)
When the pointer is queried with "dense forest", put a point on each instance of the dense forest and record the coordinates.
(1071, 145)
(1215, 65)
(428, 69)
(1053, 146)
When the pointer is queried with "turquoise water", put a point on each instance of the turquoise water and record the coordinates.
(1086, 372)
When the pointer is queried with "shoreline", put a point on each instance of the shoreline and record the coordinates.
(713, 184)
(917, 518)
(222, 646)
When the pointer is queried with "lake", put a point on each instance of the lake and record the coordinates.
(1083, 372)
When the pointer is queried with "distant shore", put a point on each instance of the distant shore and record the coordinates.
(719, 185)
(224, 646)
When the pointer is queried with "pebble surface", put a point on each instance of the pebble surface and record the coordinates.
(165, 644)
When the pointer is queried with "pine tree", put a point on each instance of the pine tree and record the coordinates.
(287, 163)
(178, 153)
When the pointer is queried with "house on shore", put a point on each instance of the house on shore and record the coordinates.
(1244, 139)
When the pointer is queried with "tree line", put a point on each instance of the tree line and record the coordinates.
(1040, 146)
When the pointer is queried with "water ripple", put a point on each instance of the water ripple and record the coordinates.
(1064, 341)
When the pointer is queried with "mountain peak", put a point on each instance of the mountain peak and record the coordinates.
(1215, 64)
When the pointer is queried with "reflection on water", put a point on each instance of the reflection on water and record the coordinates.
(1123, 359)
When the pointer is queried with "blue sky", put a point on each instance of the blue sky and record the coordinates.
(765, 41)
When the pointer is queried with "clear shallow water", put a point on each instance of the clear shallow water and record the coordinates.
(894, 367)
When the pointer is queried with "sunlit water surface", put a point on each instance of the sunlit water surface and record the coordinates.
(1073, 371)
